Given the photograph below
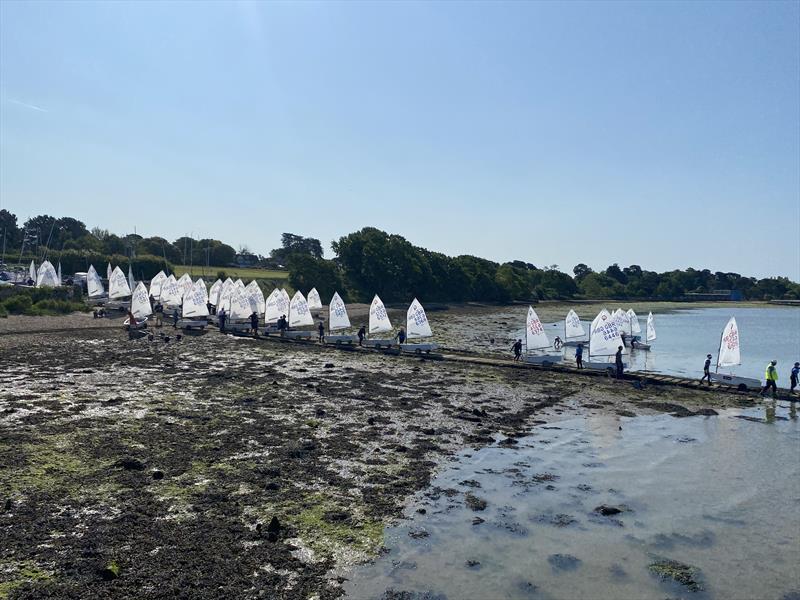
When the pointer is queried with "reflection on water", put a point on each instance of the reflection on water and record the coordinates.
(721, 494)
(684, 337)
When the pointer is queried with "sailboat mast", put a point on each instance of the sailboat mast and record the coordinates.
(719, 349)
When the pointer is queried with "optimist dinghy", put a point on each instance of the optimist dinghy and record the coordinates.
(574, 333)
(46, 276)
(140, 308)
(299, 316)
(94, 286)
(156, 283)
(417, 327)
(730, 356)
(338, 321)
(194, 311)
(604, 339)
(119, 292)
(378, 323)
(314, 301)
(536, 339)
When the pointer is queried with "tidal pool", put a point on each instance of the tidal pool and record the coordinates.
(718, 494)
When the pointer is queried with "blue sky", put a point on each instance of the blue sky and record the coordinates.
(660, 134)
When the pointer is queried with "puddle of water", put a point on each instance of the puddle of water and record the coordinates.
(719, 493)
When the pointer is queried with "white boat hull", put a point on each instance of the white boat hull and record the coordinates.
(380, 343)
(298, 335)
(117, 305)
(341, 339)
(192, 324)
(418, 348)
(734, 381)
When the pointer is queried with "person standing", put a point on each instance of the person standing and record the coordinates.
(401, 336)
(254, 323)
(222, 316)
(771, 376)
(321, 330)
(795, 375)
(706, 371)
(517, 348)
(618, 362)
(362, 332)
(175, 318)
(579, 356)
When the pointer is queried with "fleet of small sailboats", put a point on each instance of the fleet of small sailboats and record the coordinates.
(240, 301)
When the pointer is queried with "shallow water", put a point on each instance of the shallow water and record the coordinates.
(684, 337)
(721, 494)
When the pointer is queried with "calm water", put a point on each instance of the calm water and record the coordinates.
(719, 493)
(684, 337)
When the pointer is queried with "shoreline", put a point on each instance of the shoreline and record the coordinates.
(150, 455)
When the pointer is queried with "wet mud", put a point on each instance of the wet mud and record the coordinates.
(224, 467)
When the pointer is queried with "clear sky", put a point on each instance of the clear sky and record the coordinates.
(664, 134)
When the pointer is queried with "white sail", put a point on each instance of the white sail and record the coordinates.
(109, 271)
(651, 328)
(170, 292)
(185, 284)
(604, 335)
(140, 302)
(729, 351)
(213, 295)
(94, 285)
(338, 318)
(156, 283)
(238, 304)
(255, 296)
(535, 337)
(286, 301)
(378, 318)
(633, 323)
(194, 302)
(620, 317)
(32, 272)
(240, 284)
(314, 301)
(271, 311)
(131, 282)
(572, 326)
(299, 314)
(46, 275)
(201, 285)
(118, 285)
(59, 273)
(417, 325)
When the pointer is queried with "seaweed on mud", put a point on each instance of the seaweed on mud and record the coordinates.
(686, 575)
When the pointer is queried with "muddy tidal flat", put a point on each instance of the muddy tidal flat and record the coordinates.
(226, 467)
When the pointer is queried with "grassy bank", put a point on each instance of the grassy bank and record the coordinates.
(210, 273)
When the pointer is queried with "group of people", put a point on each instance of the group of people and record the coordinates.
(771, 378)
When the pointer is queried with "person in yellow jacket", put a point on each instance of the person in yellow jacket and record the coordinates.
(771, 375)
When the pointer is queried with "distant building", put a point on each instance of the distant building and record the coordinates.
(721, 295)
(246, 260)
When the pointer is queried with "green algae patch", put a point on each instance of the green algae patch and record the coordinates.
(334, 527)
(52, 463)
(15, 575)
(686, 575)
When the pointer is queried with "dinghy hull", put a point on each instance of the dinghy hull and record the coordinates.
(192, 324)
(734, 381)
(297, 335)
(418, 348)
(341, 339)
(379, 343)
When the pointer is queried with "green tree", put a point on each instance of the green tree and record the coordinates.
(306, 272)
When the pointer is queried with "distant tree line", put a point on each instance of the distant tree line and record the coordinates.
(371, 261)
